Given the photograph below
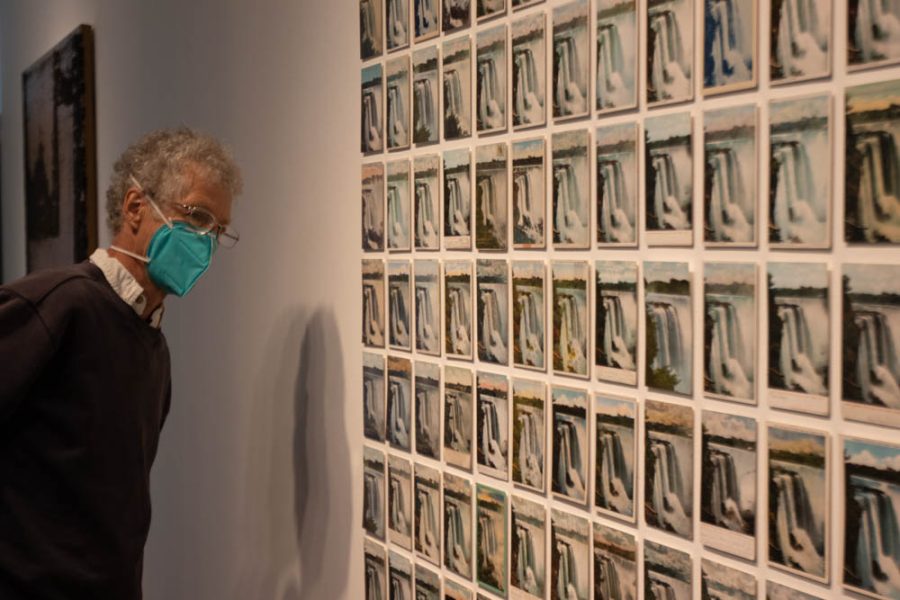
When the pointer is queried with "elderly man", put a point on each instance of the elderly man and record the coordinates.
(84, 375)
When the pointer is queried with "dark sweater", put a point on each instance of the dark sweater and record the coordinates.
(84, 390)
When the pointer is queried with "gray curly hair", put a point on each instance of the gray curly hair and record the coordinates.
(164, 162)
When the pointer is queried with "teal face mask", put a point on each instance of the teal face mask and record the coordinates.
(178, 257)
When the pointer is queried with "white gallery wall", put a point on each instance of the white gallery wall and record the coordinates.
(253, 485)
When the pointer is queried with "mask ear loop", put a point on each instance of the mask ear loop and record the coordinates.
(164, 218)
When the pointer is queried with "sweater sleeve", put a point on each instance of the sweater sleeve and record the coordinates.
(25, 349)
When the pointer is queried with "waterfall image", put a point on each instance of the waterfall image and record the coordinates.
(457, 200)
(529, 194)
(798, 499)
(776, 591)
(425, 95)
(616, 55)
(400, 578)
(615, 564)
(489, 8)
(427, 494)
(799, 202)
(529, 75)
(729, 183)
(873, 32)
(529, 426)
(570, 445)
(719, 582)
(372, 134)
(426, 19)
(615, 456)
(371, 28)
(491, 542)
(668, 342)
(458, 308)
(670, 48)
(457, 85)
(617, 181)
(397, 24)
(376, 577)
(493, 425)
(528, 544)
(427, 202)
(491, 212)
(399, 507)
(669, 469)
(428, 410)
(669, 179)
(455, 591)
(428, 306)
(399, 116)
(493, 311)
(529, 310)
(399, 408)
(373, 492)
(458, 427)
(667, 573)
(491, 80)
(457, 14)
(373, 397)
(571, 189)
(373, 329)
(872, 532)
(398, 210)
(399, 318)
(569, 557)
(615, 325)
(800, 40)
(458, 525)
(570, 318)
(729, 45)
(428, 584)
(373, 207)
(571, 59)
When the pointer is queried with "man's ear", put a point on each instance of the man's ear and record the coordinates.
(133, 209)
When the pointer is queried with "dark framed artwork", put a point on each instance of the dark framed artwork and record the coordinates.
(61, 153)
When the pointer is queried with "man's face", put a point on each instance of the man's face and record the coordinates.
(201, 194)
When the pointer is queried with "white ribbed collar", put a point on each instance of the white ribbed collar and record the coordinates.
(125, 285)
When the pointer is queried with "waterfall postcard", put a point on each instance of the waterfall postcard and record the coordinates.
(729, 45)
(373, 492)
(373, 303)
(669, 180)
(428, 410)
(616, 321)
(529, 194)
(399, 317)
(487, 9)
(458, 308)
(669, 467)
(491, 197)
(399, 238)
(777, 591)
(571, 190)
(800, 38)
(615, 563)
(428, 514)
(371, 29)
(800, 202)
(520, 4)
(798, 502)
(617, 55)
(399, 115)
(873, 33)
(426, 94)
(428, 584)
(457, 15)
(453, 590)
(373, 396)
(457, 80)
(799, 336)
(493, 425)
(428, 306)
(490, 90)
(459, 392)
(872, 179)
(400, 512)
(427, 214)
(401, 578)
(373, 207)
(399, 410)
(491, 573)
(670, 51)
(570, 444)
(571, 59)
(426, 19)
(493, 311)
(528, 576)
(871, 339)
(529, 71)
(872, 533)
(668, 573)
(730, 175)
(529, 433)
(458, 525)
(668, 341)
(569, 557)
(529, 314)
(571, 319)
(458, 199)
(729, 331)
(719, 581)
(615, 459)
(376, 570)
(372, 133)
(728, 484)
(617, 186)
(397, 24)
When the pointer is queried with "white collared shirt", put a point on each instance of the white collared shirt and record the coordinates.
(125, 285)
